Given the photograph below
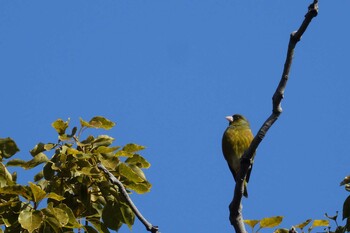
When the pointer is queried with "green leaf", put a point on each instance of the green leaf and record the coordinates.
(303, 224)
(14, 177)
(128, 215)
(60, 126)
(98, 122)
(5, 176)
(110, 163)
(129, 173)
(38, 193)
(131, 148)
(72, 151)
(48, 171)
(61, 216)
(38, 148)
(49, 146)
(63, 137)
(100, 226)
(123, 153)
(74, 130)
(271, 222)
(112, 215)
(101, 122)
(251, 223)
(55, 196)
(15, 163)
(139, 161)
(105, 149)
(138, 171)
(38, 176)
(139, 188)
(320, 223)
(8, 148)
(41, 147)
(51, 220)
(346, 208)
(103, 140)
(72, 221)
(37, 160)
(90, 171)
(84, 123)
(30, 220)
(17, 190)
(281, 230)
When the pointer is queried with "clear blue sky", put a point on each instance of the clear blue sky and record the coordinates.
(168, 72)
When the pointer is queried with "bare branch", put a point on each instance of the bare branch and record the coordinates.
(114, 180)
(235, 207)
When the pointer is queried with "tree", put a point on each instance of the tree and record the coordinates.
(235, 206)
(85, 183)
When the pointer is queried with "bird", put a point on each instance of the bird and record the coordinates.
(235, 141)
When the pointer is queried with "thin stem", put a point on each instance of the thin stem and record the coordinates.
(114, 180)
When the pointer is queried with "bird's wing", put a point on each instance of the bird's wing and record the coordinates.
(228, 152)
(249, 137)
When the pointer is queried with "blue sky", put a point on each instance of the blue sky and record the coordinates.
(168, 72)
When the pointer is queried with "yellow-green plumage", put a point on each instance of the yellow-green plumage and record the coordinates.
(235, 141)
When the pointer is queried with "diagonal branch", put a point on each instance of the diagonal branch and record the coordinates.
(235, 207)
(114, 180)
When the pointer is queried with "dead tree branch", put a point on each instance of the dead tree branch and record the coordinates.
(235, 207)
(115, 181)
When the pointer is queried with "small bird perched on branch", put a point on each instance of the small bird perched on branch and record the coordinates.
(235, 141)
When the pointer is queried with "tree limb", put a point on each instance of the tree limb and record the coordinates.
(114, 180)
(235, 206)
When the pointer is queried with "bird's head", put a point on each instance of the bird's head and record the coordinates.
(237, 120)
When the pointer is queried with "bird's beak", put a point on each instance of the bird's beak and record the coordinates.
(229, 118)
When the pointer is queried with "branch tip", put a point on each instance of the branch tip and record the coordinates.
(313, 9)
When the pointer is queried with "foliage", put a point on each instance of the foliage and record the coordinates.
(70, 182)
(276, 221)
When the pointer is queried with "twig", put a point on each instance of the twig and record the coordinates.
(235, 206)
(114, 180)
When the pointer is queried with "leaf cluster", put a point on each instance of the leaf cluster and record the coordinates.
(275, 221)
(272, 222)
(70, 182)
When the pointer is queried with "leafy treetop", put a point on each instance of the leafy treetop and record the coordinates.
(74, 188)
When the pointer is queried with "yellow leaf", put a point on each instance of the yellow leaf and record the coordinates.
(271, 222)
(30, 220)
(281, 230)
(98, 122)
(302, 225)
(55, 196)
(38, 193)
(60, 126)
(72, 151)
(320, 223)
(251, 223)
